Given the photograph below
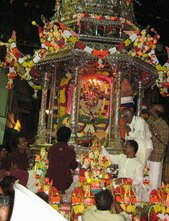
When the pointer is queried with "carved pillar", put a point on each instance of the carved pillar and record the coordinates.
(75, 108)
(114, 134)
(41, 137)
(117, 106)
(51, 106)
(112, 100)
(139, 98)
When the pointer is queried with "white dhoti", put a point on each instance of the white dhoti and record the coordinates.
(155, 174)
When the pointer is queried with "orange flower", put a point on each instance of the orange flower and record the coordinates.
(97, 17)
(100, 53)
(37, 158)
(118, 198)
(62, 26)
(113, 18)
(47, 43)
(76, 200)
(133, 200)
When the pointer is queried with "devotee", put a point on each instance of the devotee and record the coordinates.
(128, 163)
(102, 211)
(127, 94)
(137, 129)
(20, 175)
(25, 178)
(20, 156)
(160, 138)
(62, 159)
(18, 162)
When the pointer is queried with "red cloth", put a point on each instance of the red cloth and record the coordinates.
(20, 175)
(62, 159)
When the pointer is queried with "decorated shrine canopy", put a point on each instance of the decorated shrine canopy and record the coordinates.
(64, 39)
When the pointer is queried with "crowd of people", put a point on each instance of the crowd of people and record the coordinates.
(145, 144)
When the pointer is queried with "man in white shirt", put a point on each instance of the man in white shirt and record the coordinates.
(137, 129)
(129, 165)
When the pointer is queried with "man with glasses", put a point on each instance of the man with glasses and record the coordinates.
(137, 129)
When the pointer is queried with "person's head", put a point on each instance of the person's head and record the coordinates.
(21, 143)
(104, 200)
(144, 114)
(127, 115)
(43, 196)
(5, 203)
(63, 134)
(156, 111)
(130, 148)
(7, 184)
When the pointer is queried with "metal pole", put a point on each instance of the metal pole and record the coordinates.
(117, 107)
(139, 98)
(41, 137)
(51, 106)
(74, 114)
(110, 137)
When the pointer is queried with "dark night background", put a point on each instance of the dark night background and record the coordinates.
(18, 14)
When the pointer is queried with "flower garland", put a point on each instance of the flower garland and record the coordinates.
(19, 64)
(41, 165)
(100, 54)
(143, 46)
(55, 36)
(125, 196)
(101, 17)
(91, 182)
(163, 80)
(93, 176)
(160, 201)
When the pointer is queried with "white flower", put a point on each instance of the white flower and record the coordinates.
(133, 37)
(112, 50)
(88, 49)
(67, 33)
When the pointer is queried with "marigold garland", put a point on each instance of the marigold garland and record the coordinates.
(55, 36)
